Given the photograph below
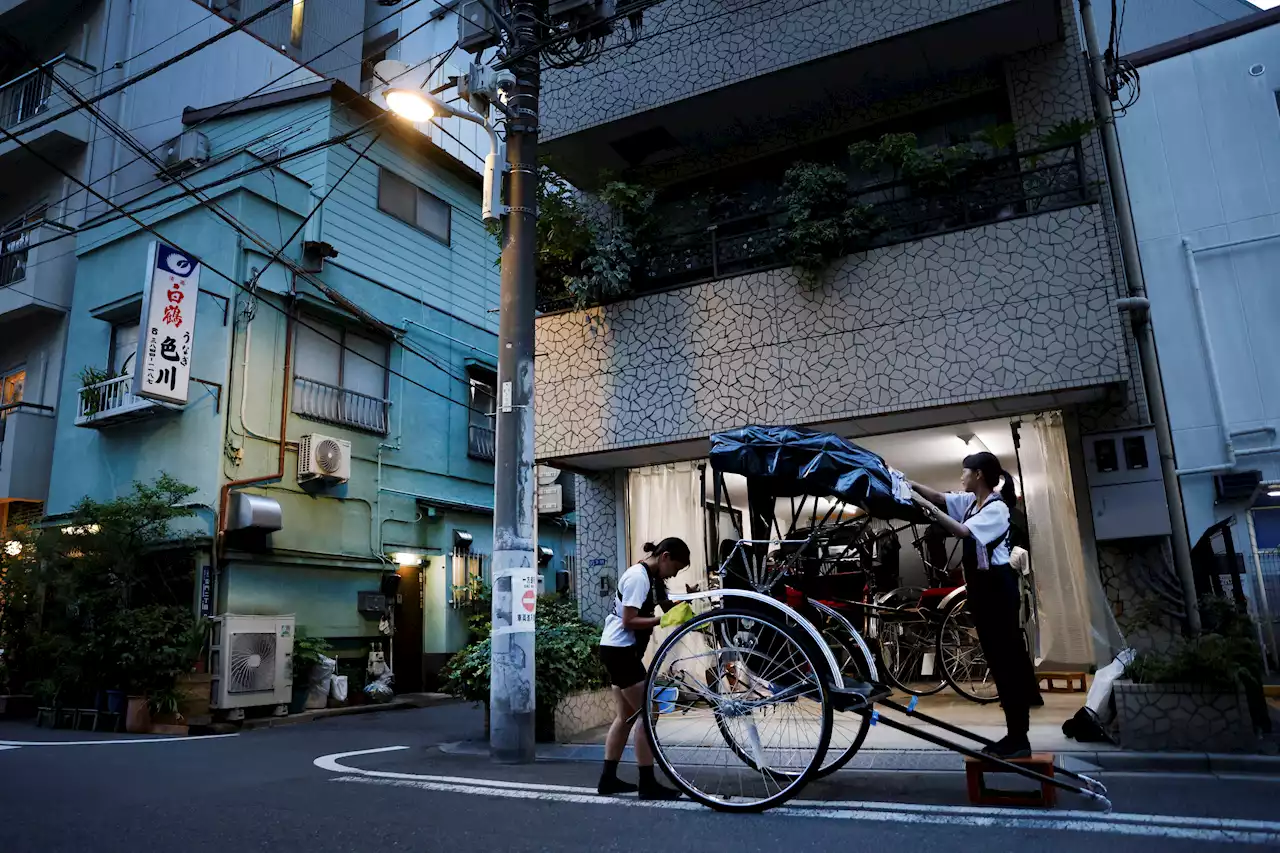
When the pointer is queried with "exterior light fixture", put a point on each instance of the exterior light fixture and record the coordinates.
(406, 558)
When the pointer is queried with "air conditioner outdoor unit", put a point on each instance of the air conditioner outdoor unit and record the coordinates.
(323, 458)
(251, 658)
(189, 150)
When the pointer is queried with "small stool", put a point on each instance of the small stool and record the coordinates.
(1064, 682)
(981, 795)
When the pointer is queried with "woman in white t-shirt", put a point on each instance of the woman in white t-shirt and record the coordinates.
(979, 518)
(626, 634)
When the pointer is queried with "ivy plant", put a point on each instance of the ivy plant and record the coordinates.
(819, 223)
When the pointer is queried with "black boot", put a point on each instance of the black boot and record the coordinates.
(651, 789)
(610, 784)
(1010, 746)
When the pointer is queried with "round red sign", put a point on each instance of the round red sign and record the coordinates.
(528, 600)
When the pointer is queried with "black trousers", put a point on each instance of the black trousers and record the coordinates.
(994, 600)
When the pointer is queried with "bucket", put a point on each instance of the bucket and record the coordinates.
(665, 699)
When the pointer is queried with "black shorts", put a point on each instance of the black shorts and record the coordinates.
(624, 665)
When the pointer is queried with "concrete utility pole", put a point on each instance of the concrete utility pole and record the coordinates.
(1140, 309)
(515, 579)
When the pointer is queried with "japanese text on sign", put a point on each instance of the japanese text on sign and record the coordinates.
(168, 326)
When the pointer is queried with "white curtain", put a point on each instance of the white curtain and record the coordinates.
(1075, 625)
(662, 501)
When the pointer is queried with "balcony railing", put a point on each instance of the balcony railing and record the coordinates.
(13, 257)
(324, 402)
(112, 401)
(1001, 188)
(481, 443)
(25, 97)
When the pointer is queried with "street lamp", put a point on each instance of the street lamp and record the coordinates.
(419, 106)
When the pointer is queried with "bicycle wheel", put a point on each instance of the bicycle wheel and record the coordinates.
(964, 665)
(752, 716)
(848, 728)
(908, 654)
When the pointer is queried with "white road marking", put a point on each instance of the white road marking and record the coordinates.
(1159, 826)
(14, 744)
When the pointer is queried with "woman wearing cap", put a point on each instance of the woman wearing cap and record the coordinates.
(622, 645)
(979, 517)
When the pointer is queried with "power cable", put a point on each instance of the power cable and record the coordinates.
(155, 233)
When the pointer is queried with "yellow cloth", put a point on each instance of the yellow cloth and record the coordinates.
(677, 615)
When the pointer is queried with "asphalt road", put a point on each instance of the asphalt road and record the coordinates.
(292, 789)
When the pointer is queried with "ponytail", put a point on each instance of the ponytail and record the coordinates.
(1007, 492)
(673, 545)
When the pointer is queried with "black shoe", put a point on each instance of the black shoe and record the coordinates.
(659, 792)
(1009, 747)
(610, 787)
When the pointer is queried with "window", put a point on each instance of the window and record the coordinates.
(295, 25)
(480, 417)
(12, 386)
(417, 207)
(124, 349)
(340, 376)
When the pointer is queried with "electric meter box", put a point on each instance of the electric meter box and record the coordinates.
(1126, 485)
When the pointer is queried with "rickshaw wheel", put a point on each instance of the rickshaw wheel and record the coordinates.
(749, 736)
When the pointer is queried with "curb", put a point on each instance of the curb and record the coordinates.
(935, 761)
(400, 703)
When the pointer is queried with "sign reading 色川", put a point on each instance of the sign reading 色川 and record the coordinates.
(163, 365)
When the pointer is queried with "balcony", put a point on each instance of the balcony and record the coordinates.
(26, 451)
(1003, 188)
(113, 402)
(321, 401)
(481, 443)
(31, 98)
(766, 68)
(37, 270)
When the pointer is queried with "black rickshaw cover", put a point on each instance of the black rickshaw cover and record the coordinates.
(790, 461)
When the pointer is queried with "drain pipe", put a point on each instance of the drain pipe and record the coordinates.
(1142, 330)
(1230, 453)
(225, 494)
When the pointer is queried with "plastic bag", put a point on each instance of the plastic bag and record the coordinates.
(379, 690)
(338, 690)
(320, 679)
(677, 615)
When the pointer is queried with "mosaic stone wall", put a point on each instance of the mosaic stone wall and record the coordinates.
(583, 712)
(889, 330)
(1178, 717)
(695, 46)
(597, 542)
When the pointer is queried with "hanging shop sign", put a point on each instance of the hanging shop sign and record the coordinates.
(163, 369)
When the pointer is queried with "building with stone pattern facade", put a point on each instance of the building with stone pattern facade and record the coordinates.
(998, 322)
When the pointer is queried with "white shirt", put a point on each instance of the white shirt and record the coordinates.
(985, 525)
(633, 589)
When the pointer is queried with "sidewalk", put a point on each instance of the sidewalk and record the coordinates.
(888, 749)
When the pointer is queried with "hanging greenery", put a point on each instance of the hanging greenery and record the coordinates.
(820, 225)
(621, 244)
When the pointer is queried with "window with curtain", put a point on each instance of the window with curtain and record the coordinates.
(340, 375)
(417, 207)
(124, 349)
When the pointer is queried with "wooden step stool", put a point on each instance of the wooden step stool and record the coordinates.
(981, 795)
(1075, 682)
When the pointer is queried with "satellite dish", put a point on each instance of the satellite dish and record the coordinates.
(547, 475)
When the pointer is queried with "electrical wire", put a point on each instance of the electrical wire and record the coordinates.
(243, 287)
(234, 103)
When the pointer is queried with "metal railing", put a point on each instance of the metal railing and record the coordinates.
(481, 443)
(324, 402)
(27, 96)
(13, 257)
(1009, 187)
(112, 397)
(1265, 590)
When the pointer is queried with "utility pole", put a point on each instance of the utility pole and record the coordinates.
(1140, 311)
(514, 577)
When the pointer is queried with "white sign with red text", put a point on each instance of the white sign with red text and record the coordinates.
(163, 365)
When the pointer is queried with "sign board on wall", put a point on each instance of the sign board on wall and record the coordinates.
(206, 591)
(163, 365)
(550, 499)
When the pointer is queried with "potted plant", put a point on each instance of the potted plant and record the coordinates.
(307, 652)
(193, 684)
(166, 718)
(1194, 694)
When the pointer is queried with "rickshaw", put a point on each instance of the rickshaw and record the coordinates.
(770, 687)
